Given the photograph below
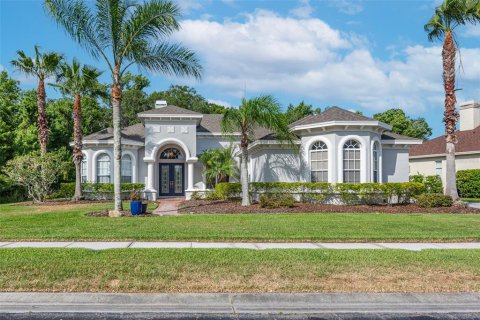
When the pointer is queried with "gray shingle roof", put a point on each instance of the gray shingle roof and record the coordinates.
(169, 110)
(395, 136)
(331, 114)
(210, 123)
(135, 132)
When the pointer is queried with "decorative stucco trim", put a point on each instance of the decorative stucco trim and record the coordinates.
(110, 142)
(400, 141)
(363, 157)
(439, 155)
(165, 142)
(343, 123)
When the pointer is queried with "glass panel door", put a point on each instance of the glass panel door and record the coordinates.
(178, 182)
(164, 179)
(171, 179)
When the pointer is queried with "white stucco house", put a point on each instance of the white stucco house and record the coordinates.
(162, 151)
(429, 158)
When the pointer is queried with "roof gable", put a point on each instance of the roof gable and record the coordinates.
(169, 111)
(331, 114)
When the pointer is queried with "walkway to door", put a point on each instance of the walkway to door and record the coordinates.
(168, 206)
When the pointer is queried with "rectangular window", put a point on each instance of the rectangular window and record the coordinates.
(319, 166)
(438, 168)
(84, 171)
(351, 165)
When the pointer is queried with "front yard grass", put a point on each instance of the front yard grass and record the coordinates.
(236, 270)
(68, 222)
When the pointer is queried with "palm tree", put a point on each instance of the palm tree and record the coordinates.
(219, 165)
(263, 111)
(42, 66)
(447, 17)
(76, 81)
(123, 33)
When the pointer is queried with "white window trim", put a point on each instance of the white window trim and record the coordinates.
(363, 157)
(307, 156)
(310, 151)
(380, 160)
(94, 163)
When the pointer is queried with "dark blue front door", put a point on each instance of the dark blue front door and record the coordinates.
(171, 179)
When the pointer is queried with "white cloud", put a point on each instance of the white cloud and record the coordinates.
(347, 7)
(304, 10)
(307, 58)
(471, 31)
(220, 102)
(189, 5)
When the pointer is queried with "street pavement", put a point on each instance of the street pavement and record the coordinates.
(239, 306)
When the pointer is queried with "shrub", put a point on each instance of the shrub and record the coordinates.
(36, 173)
(196, 196)
(96, 190)
(212, 196)
(433, 184)
(434, 200)
(228, 191)
(468, 183)
(276, 200)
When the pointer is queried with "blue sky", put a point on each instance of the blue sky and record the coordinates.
(361, 55)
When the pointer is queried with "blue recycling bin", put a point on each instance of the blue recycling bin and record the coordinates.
(136, 207)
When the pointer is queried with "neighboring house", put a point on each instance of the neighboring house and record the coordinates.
(429, 157)
(334, 146)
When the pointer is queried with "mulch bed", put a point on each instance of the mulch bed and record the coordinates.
(104, 213)
(205, 206)
(63, 202)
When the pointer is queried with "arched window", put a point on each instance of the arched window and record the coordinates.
(319, 162)
(83, 169)
(126, 169)
(103, 168)
(171, 154)
(375, 166)
(351, 161)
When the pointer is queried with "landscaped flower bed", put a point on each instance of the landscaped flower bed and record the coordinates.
(205, 206)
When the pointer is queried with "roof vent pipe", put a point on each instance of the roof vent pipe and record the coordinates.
(160, 104)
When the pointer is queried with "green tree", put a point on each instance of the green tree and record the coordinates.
(263, 111)
(402, 124)
(219, 165)
(187, 98)
(96, 116)
(123, 33)
(26, 132)
(447, 17)
(9, 99)
(75, 81)
(134, 82)
(42, 66)
(300, 111)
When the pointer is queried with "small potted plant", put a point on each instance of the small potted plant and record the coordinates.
(135, 203)
(144, 205)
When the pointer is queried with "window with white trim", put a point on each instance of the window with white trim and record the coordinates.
(438, 168)
(126, 169)
(375, 162)
(351, 161)
(83, 169)
(103, 168)
(319, 162)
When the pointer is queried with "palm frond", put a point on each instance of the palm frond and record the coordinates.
(170, 59)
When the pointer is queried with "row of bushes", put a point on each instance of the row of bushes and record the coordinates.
(321, 192)
(95, 190)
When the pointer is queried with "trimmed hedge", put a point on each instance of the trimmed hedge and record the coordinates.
(468, 183)
(322, 192)
(95, 190)
(276, 200)
(434, 200)
(433, 184)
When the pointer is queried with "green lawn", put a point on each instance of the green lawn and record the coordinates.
(68, 222)
(471, 199)
(236, 270)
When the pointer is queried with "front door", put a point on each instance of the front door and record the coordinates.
(171, 179)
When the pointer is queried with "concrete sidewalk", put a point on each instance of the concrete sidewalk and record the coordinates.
(225, 304)
(103, 245)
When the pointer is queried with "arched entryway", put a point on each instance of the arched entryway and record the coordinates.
(171, 172)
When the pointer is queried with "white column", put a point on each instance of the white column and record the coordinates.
(150, 187)
(190, 175)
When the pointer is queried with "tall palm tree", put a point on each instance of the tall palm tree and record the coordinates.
(42, 66)
(263, 111)
(447, 17)
(123, 33)
(76, 81)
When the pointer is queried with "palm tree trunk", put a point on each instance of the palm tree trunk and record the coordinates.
(77, 146)
(244, 176)
(117, 141)
(42, 117)
(450, 116)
